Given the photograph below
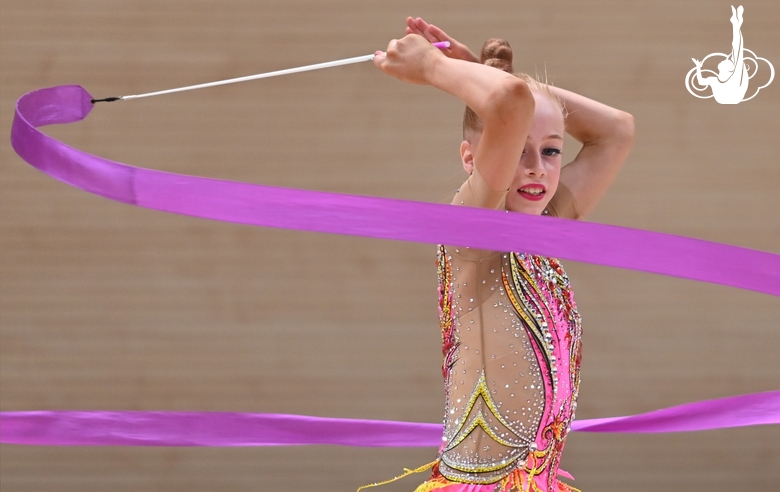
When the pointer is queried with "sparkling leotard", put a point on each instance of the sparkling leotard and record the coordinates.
(511, 343)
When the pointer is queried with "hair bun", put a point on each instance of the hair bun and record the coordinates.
(497, 53)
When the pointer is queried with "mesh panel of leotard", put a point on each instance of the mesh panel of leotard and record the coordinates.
(494, 343)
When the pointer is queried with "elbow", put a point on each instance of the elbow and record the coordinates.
(511, 102)
(624, 129)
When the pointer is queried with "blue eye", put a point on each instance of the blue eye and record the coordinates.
(551, 151)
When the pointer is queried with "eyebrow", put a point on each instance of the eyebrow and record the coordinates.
(555, 135)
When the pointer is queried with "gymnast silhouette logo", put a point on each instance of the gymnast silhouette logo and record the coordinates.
(730, 84)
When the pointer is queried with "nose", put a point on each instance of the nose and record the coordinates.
(531, 163)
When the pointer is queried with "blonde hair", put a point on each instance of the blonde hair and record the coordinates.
(498, 54)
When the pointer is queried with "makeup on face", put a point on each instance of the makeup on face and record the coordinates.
(536, 179)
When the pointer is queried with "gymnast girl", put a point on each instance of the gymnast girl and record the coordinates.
(510, 327)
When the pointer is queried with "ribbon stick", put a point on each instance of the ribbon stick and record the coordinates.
(289, 71)
(317, 66)
(73, 428)
(374, 217)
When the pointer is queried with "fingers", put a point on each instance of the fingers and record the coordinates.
(419, 26)
(437, 33)
(434, 34)
(411, 26)
(408, 59)
(381, 56)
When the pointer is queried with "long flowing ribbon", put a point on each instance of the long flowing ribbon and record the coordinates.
(363, 216)
(72, 428)
(374, 217)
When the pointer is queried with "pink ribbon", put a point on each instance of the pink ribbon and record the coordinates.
(73, 428)
(374, 217)
(363, 216)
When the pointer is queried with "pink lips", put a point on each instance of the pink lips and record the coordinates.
(534, 192)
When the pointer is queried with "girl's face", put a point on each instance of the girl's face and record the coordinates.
(536, 178)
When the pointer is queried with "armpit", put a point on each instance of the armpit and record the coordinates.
(563, 204)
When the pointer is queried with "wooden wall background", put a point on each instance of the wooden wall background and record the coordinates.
(106, 306)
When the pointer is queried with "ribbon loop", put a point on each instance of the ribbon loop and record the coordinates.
(375, 217)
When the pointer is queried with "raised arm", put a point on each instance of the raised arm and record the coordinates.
(607, 135)
(503, 102)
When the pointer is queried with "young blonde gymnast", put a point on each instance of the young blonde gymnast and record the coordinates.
(510, 327)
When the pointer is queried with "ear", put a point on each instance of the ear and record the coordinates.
(467, 156)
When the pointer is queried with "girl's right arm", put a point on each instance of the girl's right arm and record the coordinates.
(503, 102)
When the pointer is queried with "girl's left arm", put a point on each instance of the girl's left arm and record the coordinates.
(606, 135)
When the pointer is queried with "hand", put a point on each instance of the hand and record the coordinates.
(408, 59)
(433, 34)
(697, 62)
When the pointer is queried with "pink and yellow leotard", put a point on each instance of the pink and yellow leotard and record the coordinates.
(511, 338)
